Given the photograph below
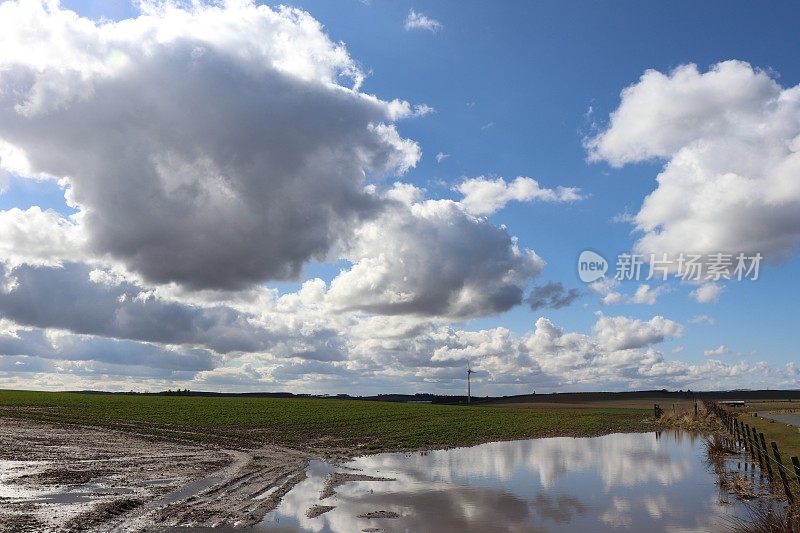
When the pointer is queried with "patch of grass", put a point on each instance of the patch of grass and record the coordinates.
(787, 437)
(318, 422)
(765, 519)
(772, 405)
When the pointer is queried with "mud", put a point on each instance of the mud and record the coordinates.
(338, 479)
(379, 514)
(74, 478)
(317, 510)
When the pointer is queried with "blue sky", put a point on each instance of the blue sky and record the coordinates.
(518, 88)
(533, 70)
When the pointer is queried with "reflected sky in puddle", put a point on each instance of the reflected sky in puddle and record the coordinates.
(638, 482)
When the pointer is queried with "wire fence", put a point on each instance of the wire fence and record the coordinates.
(748, 439)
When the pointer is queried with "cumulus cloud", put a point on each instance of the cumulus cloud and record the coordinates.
(606, 288)
(484, 196)
(702, 319)
(647, 295)
(213, 146)
(76, 299)
(37, 237)
(716, 352)
(707, 293)
(552, 295)
(467, 345)
(207, 148)
(401, 109)
(620, 350)
(42, 344)
(376, 354)
(418, 21)
(644, 294)
(430, 257)
(623, 333)
(731, 140)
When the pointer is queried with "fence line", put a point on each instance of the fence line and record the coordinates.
(756, 445)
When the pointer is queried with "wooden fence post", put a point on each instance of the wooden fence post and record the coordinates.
(757, 447)
(782, 472)
(796, 464)
(749, 439)
(743, 436)
(766, 455)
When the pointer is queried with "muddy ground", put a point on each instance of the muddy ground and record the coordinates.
(75, 478)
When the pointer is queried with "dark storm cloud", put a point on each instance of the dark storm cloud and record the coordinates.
(434, 259)
(552, 295)
(65, 298)
(34, 343)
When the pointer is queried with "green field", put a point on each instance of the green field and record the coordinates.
(787, 437)
(323, 423)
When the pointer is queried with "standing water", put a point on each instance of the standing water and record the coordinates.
(635, 482)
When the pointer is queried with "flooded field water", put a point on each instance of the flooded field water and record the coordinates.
(635, 482)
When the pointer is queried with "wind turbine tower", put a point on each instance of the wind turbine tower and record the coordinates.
(469, 373)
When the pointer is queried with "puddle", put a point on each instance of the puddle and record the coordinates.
(12, 491)
(10, 470)
(80, 494)
(190, 490)
(638, 482)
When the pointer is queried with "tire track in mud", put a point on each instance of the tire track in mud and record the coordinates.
(240, 495)
(168, 482)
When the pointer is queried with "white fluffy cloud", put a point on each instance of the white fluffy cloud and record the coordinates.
(418, 21)
(622, 352)
(644, 294)
(38, 237)
(623, 333)
(718, 351)
(702, 319)
(484, 196)
(347, 352)
(207, 148)
(731, 141)
(214, 146)
(647, 295)
(707, 293)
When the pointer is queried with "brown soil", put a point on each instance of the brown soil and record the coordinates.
(318, 510)
(379, 514)
(70, 478)
(340, 478)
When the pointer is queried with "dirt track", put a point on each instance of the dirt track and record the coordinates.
(74, 478)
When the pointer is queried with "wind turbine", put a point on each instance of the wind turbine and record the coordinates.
(469, 373)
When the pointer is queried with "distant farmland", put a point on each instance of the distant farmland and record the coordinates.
(323, 423)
